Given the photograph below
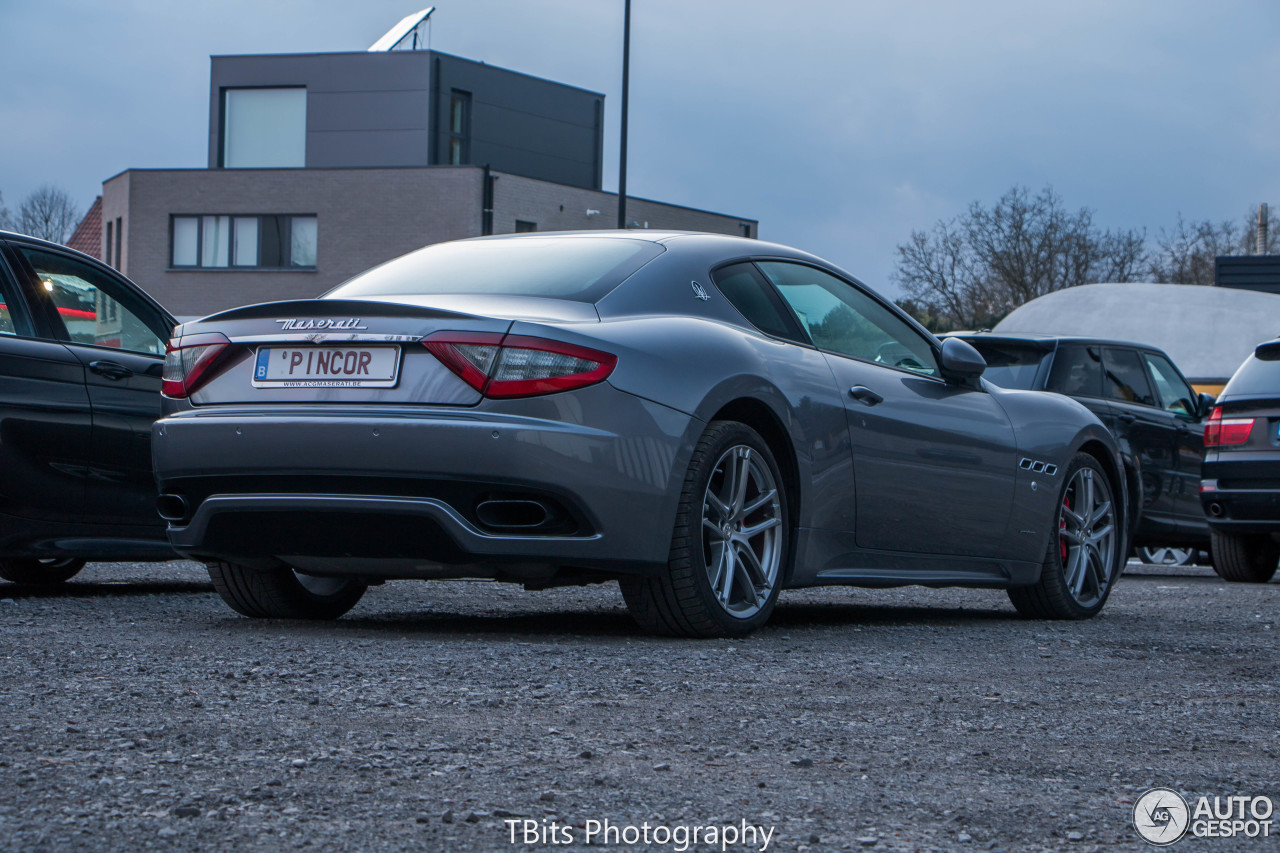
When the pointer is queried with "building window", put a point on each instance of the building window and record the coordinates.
(119, 242)
(279, 241)
(524, 225)
(110, 241)
(264, 128)
(459, 128)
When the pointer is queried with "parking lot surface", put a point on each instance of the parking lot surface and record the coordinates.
(139, 712)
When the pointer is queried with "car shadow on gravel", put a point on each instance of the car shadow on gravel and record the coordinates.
(857, 615)
(103, 590)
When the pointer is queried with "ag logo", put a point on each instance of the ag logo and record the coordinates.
(1161, 816)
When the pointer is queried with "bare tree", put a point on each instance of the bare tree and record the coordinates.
(6, 218)
(972, 270)
(1184, 254)
(48, 213)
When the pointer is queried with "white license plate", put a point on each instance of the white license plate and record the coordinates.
(326, 367)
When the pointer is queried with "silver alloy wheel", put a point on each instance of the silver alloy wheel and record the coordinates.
(741, 531)
(319, 584)
(1167, 556)
(1087, 533)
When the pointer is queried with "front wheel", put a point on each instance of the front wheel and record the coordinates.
(730, 543)
(1244, 559)
(1084, 558)
(37, 571)
(283, 593)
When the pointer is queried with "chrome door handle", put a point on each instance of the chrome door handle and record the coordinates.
(865, 395)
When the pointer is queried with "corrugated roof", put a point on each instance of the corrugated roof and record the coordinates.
(1207, 331)
(87, 237)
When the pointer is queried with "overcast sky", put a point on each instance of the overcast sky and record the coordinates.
(840, 125)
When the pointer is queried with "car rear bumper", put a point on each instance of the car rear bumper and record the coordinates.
(410, 491)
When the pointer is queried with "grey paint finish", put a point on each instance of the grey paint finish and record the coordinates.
(392, 109)
(620, 450)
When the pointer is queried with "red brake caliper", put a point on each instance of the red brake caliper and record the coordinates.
(1062, 526)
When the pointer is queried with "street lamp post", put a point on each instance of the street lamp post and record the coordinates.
(626, 75)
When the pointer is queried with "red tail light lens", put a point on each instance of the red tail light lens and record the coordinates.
(1220, 431)
(519, 366)
(187, 361)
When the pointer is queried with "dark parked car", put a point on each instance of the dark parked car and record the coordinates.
(1143, 398)
(1240, 488)
(81, 353)
(706, 419)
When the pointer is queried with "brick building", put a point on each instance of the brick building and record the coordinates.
(322, 165)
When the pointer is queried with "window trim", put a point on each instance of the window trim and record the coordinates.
(910, 322)
(232, 266)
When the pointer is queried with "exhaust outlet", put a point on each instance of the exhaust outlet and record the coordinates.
(172, 508)
(1215, 510)
(512, 514)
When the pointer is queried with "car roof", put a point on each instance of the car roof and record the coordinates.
(1048, 341)
(18, 237)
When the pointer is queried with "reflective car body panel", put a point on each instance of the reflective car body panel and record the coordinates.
(81, 349)
(922, 487)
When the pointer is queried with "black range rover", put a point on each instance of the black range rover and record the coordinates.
(1138, 393)
(1240, 488)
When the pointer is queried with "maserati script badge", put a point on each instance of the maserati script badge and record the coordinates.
(295, 325)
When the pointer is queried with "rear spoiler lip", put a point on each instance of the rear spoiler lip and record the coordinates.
(338, 308)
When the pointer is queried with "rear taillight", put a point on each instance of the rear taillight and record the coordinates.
(1219, 431)
(499, 365)
(187, 361)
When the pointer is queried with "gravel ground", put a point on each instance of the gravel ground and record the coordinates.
(138, 712)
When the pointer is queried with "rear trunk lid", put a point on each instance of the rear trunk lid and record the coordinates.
(333, 351)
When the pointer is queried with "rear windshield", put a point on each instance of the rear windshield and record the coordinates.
(1255, 378)
(579, 269)
(1010, 365)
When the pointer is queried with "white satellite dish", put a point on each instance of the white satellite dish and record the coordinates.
(407, 27)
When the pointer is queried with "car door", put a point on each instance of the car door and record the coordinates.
(46, 424)
(1151, 434)
(1178, 399)
(934, 463)
(118, 335)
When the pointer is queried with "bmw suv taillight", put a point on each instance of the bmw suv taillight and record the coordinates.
(187, 361)
(1220, 431)
(499, 365)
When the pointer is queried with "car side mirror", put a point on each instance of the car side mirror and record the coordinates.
(959, 361)
(1205, 403)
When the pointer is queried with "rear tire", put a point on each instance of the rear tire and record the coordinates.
(1156, 556)
(729, 548)
(36, 571)
(1244, 559)
(283, 593)
(1085, 558)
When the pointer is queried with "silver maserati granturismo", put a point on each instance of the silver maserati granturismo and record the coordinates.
(704, 419)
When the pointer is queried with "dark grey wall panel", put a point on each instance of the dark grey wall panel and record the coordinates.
(386, 109)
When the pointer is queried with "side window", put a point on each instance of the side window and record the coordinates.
(747, 292)
(1125, 379)
(13, 320)
(840, 318)
(1175, 394)
(1077, 371)
(94, 308)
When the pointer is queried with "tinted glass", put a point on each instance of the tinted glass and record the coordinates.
(91, 305)
(578, 269)
(840, 318)
(1175, 394)
(9, 308)
(1010, 365)
(744, 289)
(1254, 378)
(1125, 379)
(1077, 371)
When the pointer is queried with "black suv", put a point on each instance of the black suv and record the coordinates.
(1240, 488)
(81, 355)
(1138, 393)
